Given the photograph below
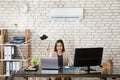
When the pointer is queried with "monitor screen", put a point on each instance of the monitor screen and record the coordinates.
(88, 57)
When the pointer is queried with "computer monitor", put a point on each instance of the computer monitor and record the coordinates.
(88, 57)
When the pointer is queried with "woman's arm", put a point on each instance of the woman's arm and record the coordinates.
(47, 52)
(70, 60)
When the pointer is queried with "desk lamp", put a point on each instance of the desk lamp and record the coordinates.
(42, 37)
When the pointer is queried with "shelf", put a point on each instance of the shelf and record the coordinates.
(19, 28)
(15, 60)
(5, 42)
(10, 44)
(4, 75)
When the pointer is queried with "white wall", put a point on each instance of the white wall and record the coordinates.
(99, 27)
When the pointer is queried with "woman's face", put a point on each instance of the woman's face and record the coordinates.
(59, 47)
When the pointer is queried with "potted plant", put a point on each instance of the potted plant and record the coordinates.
(35, 61)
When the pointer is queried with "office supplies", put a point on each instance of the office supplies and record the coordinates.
(68, 67)
(30, 69)
(6, 37)
(8, 68)
(18, 40)
(9, 52)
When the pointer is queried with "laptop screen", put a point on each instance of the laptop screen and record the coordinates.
(49, 63)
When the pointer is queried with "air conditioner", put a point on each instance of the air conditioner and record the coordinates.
(67, 12)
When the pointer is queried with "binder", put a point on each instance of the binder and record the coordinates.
(14, 66)
(9, 52)
(18, 65)
(6, 52)
(13, 52)
(8, 68)
(11, 67)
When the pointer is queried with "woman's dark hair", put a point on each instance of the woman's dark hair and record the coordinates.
(59, 41)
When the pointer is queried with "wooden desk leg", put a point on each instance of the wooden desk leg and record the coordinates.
(62, 78)
(26, 78)
(114, 78)
(52, 78)
(103, 79)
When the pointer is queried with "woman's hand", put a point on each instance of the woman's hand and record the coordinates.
(47, 51)
(69, 64)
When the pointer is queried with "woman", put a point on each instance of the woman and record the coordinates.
(59, 52)
(63, 58)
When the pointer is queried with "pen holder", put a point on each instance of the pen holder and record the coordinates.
(107, 67)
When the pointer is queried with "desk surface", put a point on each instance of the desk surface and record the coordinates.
(68, 73)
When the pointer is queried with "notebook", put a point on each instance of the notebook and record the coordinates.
(49, 64)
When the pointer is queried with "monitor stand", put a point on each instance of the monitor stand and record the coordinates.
(89, 69)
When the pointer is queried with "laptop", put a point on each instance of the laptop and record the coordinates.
(49, 63)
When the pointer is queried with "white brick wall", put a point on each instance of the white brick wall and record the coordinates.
(98, 28)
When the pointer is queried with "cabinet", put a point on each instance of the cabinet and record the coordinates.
(3, 39)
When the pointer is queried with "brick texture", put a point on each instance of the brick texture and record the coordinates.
(98, 28)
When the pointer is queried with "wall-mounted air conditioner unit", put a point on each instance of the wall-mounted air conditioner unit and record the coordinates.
(67, 13)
